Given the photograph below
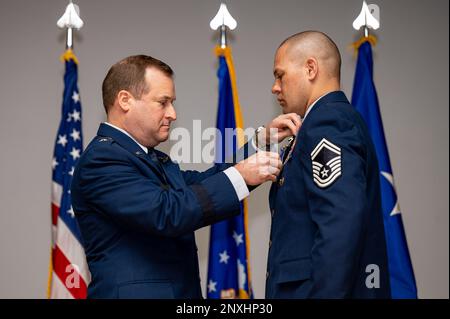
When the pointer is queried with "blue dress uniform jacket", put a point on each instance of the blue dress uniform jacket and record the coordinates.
(327, 229)
(137, 213)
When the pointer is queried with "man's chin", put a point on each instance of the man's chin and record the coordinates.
(163, 136)
(285, 109)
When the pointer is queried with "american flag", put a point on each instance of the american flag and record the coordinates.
(69, 274)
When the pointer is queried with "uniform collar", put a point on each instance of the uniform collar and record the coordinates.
(335, 96)
(121, 137)
(145, 149)
(311, 106)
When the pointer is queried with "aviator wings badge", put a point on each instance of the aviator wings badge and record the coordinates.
(326, 163)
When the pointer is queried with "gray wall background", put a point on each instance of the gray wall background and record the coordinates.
(411, 74)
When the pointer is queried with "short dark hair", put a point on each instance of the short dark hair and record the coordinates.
(326, 45)
(129, 74)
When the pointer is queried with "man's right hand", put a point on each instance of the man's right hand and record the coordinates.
(279, 128)
(259, 168)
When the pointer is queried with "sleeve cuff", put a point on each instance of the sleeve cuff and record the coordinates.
(238, 182)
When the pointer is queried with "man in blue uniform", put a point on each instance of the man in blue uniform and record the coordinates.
(327, 234)
(136, 210)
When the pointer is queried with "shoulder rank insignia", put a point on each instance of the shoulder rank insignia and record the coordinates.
(326, 163)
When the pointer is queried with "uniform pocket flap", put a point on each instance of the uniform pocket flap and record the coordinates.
(294, 270)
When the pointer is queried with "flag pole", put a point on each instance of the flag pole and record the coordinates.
(223, 20)
(223, 36)
(368, 18)
(69, 20)
(366, 31)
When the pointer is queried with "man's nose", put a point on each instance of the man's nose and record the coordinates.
(171, 113)
(276, 88)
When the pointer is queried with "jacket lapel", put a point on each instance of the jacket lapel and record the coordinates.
(127, 143)
(171, 170)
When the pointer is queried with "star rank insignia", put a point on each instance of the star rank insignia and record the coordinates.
(326, 163)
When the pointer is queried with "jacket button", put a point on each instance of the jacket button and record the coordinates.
(267, 275)
(270, 243)
(272, 212)
(281, 181)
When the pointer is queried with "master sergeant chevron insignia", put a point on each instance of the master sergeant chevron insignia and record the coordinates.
(326, 163)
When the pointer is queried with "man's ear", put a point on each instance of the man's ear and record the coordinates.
(312, 68)
(125, 100)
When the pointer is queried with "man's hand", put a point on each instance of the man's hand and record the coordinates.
(259, 168)
(279, 128)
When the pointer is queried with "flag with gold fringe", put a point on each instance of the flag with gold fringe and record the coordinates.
(365, 99)
(228, 267)
(68, 272)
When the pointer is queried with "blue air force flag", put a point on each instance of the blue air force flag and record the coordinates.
(365, 100)
(228, 267)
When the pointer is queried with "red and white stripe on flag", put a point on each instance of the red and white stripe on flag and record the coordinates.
(70, 274)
